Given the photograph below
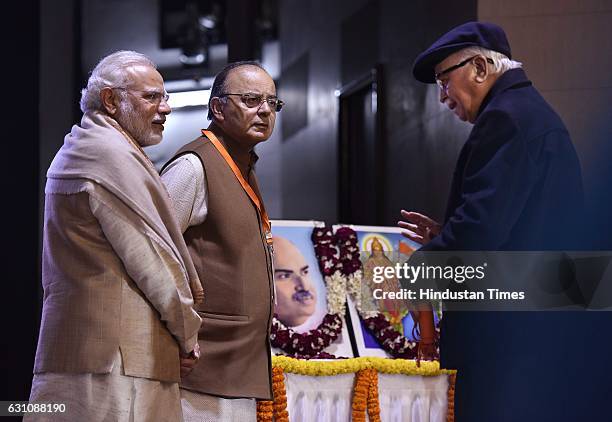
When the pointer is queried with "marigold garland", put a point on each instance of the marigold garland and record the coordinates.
(450, 403)
(275, 410)
(360, 396)
(280, 395)
(346, 366)
(365, 393)
(373, 402)
(265, 411)
(365, 396)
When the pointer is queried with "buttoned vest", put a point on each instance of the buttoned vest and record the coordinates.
(234, 264)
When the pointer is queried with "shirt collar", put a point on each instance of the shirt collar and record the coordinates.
(513, 78)
(244, 158)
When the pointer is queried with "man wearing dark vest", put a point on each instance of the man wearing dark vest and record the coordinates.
(213, 187)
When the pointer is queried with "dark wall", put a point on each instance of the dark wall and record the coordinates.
(41, 65)
(19, 32)
(344, 40)
(559, 44)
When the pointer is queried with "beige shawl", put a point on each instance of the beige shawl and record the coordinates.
(126, 172)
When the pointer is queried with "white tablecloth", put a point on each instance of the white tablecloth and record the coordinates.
(403, 398)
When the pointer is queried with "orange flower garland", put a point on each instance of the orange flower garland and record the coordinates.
(450, 414)
(360, 396)
(365, 390)
(275, 410)
(280, 395)
(373, 403)
(265, 411)
(365, 396)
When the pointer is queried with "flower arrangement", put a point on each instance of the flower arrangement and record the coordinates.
(339, 261)
(365, 391)
(331, 266)
(307, 345)
(310, 345)
(450, 413)
(280, 395)
(275, 409)
(373, 401)
(389, 338)
(265, 411)
(360, 396)
(365, 396)
(377, 323)
(349, 366)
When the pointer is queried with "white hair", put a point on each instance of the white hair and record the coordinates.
(110, 72)
(501, 63)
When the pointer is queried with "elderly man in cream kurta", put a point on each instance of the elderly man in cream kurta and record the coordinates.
(118, 326)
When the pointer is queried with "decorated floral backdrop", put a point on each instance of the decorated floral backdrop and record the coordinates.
(303, 326)
(311, 315)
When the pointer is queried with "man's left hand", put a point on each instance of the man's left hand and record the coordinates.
(418, 227)
(188, 361)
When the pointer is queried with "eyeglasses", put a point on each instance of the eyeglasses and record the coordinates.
(154, 97)
(255, 100)
(444, 84)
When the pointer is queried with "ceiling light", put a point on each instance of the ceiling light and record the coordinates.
(189, 98)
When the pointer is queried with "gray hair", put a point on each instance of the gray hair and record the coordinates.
(110, 72)
(501, 63)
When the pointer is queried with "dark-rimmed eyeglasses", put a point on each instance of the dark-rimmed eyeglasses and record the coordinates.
(255, 100)
(154, 97)
(444, 84)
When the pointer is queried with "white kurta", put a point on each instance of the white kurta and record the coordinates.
(186, 183)
(114, 396)
(105, 397)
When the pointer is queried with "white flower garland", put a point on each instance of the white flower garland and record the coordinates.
(336, 293)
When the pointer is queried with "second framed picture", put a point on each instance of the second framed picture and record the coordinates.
(381, 247)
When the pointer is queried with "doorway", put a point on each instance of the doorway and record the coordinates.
(361, 190)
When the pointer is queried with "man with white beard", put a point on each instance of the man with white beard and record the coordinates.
(118, 327)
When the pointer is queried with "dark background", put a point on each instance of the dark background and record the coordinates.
(324, 46)
(20, 130)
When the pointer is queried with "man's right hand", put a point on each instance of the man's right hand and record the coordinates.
(418, 227)
(188, 361)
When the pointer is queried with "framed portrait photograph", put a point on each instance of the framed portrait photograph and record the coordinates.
(382, 247)
(300, 289)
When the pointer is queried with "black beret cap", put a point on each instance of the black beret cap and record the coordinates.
(480, 34)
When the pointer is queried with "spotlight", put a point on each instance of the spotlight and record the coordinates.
(191, 59)
(194, 40)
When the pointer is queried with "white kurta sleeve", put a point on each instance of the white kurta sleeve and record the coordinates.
(154, 270)
(186, 183)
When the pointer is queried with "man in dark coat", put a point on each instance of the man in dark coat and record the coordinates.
(517, 186)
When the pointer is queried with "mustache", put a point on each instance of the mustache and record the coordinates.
(302, 296)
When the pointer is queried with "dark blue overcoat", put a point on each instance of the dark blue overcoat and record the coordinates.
(517, 186)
